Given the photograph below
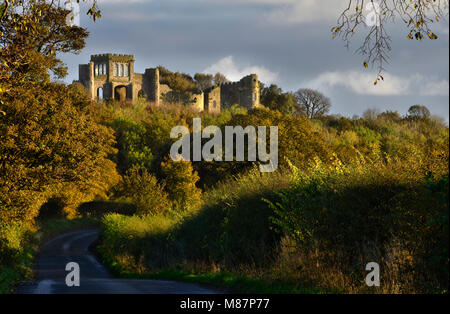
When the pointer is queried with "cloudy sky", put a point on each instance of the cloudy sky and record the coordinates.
(286, 42)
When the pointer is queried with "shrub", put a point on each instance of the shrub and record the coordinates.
(142, 189)
(180, 179)
(132, 142)
(343, 217)
(15, 255)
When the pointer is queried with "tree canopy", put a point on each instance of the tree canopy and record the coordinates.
(312, 103)
(50, 144)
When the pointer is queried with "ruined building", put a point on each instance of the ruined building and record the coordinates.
(111, 76)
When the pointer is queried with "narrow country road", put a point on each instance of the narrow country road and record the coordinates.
(94, 277)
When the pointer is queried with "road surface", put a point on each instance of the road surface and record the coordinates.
(94, 277)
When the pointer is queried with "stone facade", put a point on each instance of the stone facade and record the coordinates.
(212, 99)
(111, 76)
(246, 93)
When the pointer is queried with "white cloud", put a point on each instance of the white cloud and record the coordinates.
(307, 11)
(435, 88)
(362, 83)
(298, 11)
(228, 67)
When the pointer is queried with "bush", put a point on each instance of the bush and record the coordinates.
(15, 255)
(127, 241)
(133, 144)
(143, 190)
(345, 217)
(180, 180)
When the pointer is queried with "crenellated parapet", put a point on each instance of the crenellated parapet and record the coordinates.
(245, 92)
(112, 57)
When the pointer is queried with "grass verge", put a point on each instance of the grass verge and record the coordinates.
(226, 281)
(20, 244)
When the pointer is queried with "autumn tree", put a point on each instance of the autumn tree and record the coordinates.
(204, 81)
(373, 17)
(220, 79)
(32, 32)
(180, 183)
(50, 144)
(312, 103)
(143, 190)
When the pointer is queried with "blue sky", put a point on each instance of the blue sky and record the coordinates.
(287, 42)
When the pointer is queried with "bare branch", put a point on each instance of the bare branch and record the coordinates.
(375, 15)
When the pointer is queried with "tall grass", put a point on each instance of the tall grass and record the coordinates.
(314, 228)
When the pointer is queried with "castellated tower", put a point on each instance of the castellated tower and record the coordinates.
(111, 76)
(246, 93)
(151, 86)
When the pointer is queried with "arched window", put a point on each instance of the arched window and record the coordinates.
(96, 70)
(100, 93)
(104, 68)
(214, 104)
(121, 70)
(116, 70)
(126, 70)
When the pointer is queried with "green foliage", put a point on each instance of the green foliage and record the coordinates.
(418, 112)
(180, 179)
(142, 189)
(298, 139)
(341, 212)
(51, 148)
(232, 228)
(124, 240)
(316, 225)
(273, 98)
(439, 222)
(16, 255)
(132, 143)
(19, 244)
(180, 82)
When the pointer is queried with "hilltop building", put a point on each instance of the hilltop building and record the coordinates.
(112, 76)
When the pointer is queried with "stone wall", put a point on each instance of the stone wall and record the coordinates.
(212, 98)
(198, 102)
(246, 93)
(151, 86)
